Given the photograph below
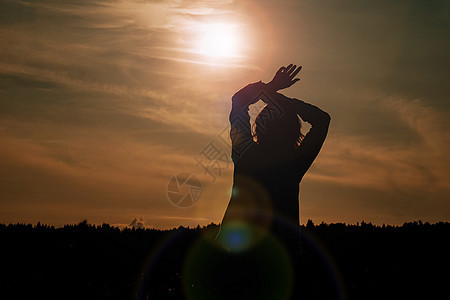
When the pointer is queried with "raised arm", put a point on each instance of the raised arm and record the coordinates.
(319, 120)
(314, 139)
(240, 133)
(312, 114)
(284, 78)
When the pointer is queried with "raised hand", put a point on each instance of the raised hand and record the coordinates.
(284, 78)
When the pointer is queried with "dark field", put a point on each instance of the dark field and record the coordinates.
(337, 261)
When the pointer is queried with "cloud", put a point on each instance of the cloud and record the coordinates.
(375, 163)
(124, 63)
(112, 164)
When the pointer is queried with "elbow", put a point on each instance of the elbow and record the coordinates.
(326, 118)
(235, 98)
(240, 95)
(238, 98)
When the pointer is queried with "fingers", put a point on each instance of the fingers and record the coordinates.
(287, 68)
(290, 69)
(287, 74)
(296, 72)
(295, 80)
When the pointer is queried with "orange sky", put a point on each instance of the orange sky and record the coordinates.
(101, 103)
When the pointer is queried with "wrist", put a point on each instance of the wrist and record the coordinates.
(270, 87)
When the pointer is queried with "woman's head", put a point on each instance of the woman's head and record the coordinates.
(282, 131)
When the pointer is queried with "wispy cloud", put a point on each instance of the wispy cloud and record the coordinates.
(371, 162)
(121, 53)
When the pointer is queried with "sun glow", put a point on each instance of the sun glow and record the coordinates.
(219, 40)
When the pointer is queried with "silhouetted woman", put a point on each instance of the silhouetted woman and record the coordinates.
(269, 164)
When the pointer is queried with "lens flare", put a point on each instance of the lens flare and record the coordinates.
(264, 271)
(237, 236)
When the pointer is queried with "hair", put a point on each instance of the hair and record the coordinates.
(267, 125)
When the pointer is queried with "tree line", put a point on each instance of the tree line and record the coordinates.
(84, 226)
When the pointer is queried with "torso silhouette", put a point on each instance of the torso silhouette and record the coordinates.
(266, 177)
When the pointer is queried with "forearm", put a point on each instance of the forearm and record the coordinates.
(247, 95)
(241, 101)
(314, 139)
(308, 112)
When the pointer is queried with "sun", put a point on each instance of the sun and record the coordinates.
(219, 40)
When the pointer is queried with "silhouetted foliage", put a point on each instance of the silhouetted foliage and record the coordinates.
(339, 261)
